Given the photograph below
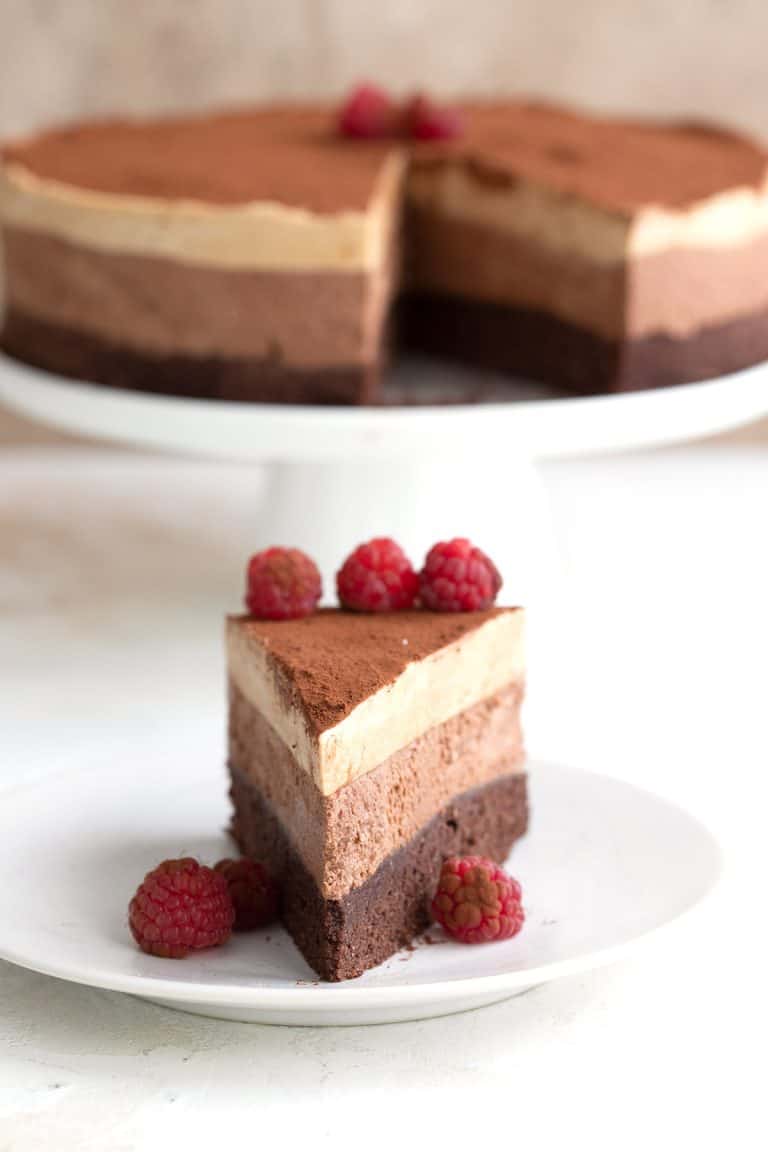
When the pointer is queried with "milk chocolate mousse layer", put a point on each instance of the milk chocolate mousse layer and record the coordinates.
(255, 255)
(364, 747)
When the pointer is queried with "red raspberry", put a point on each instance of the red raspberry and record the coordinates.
(367, 114)
(457, 577)
(429, 121)
(179, 907)
(477, 902)
(377, 577)
(253, 891)
(283, 584)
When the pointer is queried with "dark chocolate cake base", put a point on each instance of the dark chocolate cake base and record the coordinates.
(538, 346)
(80, 356)
(343, 938)
(524, 344)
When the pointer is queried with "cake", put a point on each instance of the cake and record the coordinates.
(256, 255)
(363, 750)
(242, 256)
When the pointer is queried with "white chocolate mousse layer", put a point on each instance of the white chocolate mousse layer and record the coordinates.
(566, 223)
(260, 234)
(426, 693)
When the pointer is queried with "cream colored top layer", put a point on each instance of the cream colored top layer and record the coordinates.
(271, 235)
(563, 222)
(256, 235)
(427, 693)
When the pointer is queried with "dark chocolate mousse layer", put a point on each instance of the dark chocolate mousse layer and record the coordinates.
(541, 347)
(343, 938)
(74, 354)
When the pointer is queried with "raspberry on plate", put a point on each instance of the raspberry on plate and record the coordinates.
(282, 584)
(367, 114)
(253, 891)
(476, 901)
(377, 577)
(429, 121)
(180, 907)
(458, 577)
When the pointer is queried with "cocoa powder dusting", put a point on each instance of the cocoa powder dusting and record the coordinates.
(292, 155)
(333, 660)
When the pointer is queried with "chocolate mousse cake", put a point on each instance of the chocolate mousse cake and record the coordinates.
(363, 750)
(255, 255)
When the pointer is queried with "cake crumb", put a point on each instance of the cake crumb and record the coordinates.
(430, 940)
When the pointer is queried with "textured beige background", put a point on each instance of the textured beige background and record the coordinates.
(68, 58)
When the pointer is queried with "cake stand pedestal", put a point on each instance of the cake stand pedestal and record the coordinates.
(330, 506)
(332, 477)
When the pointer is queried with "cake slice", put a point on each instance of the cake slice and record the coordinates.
(365, 749)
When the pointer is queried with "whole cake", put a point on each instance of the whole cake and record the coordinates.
(363, 751)
(257, 255)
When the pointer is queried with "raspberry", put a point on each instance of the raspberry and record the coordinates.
(377, 577)
(179, 907)
(477, 902)
(457, 577)
(253, 891)
(367, 114)
(283, 584)
(429, 121)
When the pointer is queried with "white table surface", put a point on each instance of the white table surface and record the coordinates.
(114, 572)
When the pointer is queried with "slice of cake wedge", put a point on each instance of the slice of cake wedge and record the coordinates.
(363, 750)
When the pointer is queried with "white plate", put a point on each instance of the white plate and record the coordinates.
(533, 422)
(604, 865)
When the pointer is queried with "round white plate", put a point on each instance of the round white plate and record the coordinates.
(530, 423)
(604, 865)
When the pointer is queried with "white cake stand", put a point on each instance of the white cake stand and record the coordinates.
(335, 476)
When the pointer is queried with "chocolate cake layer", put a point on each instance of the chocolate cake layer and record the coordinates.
(542, 347)
(342, 838)
(342, 938)
(82, 357)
